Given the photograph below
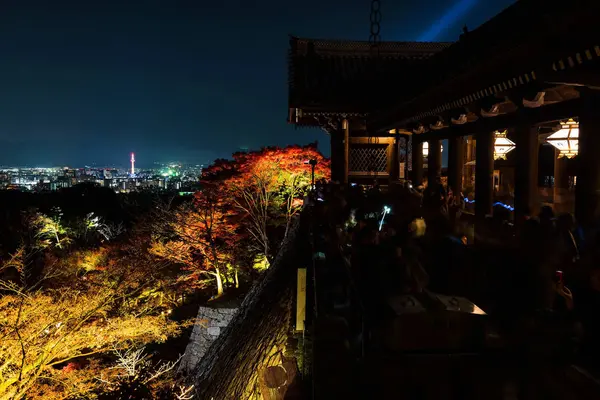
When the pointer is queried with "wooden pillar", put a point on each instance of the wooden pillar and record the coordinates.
(587, 189)
(526, 173)
(417, 162)
(470, 157)
(434, 162)
(406, 151)
(455, 164)
(337, 155)
(395, 159)
(484, 175)
(346, 130)
(561, 183)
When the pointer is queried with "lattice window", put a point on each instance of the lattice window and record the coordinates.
(368, 158)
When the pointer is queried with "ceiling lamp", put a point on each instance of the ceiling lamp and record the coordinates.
(502, 145)
(426, 149)
(566, 139)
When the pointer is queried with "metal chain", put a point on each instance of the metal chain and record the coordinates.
(374, 40)
(375, 37)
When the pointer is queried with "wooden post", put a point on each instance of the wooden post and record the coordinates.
(587, 188)
(434, 162)
(301, 300)
(455, 164)
(346, 128)
(561, 184)
(526, 173)
(417, 162)
(395, 159)
(484, 175)
(337, 155)
(470, 157)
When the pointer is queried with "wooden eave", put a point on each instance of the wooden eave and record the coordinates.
(493, 59)
(355, 48)
(523, 116)
(345, 76)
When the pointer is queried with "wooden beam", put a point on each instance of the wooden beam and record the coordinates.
(366, 174)
(523, 116)
(346, 129)
(372, 140)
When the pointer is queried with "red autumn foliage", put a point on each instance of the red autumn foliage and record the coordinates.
(267, 186)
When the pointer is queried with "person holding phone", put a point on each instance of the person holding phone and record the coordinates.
(563, 291)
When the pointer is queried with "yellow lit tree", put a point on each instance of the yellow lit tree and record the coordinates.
(88, 304)
(50, 231)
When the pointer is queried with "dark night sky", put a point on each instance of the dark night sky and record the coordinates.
(89, 81)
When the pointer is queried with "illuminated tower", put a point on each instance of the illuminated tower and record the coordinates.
(132, 164)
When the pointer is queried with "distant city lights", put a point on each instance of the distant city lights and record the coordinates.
(172, 176)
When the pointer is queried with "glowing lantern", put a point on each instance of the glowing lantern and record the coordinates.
(426, 149)
(502, 145)
(566, 139)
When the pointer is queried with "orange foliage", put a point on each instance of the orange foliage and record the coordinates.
(268, 185)
(200, 237)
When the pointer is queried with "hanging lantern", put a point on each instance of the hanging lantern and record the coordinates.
(502, 145)
(426, 149)
(566, 139)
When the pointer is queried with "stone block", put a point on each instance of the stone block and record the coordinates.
(208, 327)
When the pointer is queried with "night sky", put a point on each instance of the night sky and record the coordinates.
(84, 82)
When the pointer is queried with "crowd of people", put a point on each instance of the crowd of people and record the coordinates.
(539, 281)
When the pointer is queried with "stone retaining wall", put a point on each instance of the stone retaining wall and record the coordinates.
(256, 336)
(209, 324)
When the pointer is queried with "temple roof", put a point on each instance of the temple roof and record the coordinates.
(527, 45)
(510, 51)
(345, 76)
(350, 48)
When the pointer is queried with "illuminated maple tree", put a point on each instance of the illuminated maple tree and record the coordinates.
(198, 235)
(268, 186)
(89, 304)
(296, 176)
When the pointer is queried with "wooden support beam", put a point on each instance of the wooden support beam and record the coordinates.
(434, 162)
(526, 173)
(456, 148)
(417, 162)
(587, 190)
(346, 129)
(523, 116)
(394, 159)
(484, 175)
(372, 140)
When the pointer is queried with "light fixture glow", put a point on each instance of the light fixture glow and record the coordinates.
(566, 139)
(426, 149)
(502, 145)
(386, 210)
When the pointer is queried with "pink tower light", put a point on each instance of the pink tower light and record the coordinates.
(132, 164)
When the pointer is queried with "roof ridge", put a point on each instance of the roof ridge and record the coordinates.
(366, 42)
(301, 46)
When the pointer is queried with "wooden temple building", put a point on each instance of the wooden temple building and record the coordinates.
(525, 71)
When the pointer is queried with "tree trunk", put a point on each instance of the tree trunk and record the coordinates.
(219, 282)
(287, 225)
(237, 281)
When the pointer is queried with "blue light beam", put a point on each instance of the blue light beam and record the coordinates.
(449, 19)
